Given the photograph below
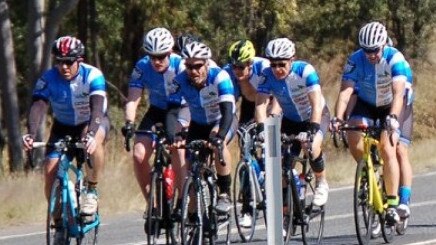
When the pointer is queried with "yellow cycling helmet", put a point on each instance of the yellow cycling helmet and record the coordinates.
(241, 51)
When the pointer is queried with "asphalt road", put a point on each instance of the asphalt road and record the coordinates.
(339, 228)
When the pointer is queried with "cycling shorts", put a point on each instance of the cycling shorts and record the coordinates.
(77, 132)
(203, 131)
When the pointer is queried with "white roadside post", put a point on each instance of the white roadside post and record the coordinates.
(273, 180)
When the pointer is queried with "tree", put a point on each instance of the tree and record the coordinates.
(8, 88)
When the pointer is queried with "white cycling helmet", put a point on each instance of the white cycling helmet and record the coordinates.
(373, 35)
(158, 41)
(280, 48)
(196, 50)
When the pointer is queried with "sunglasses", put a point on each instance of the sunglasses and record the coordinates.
(194, 66)
(371, 51)
(239, 67)
(158, 57)
(280, 64)
(66, 62)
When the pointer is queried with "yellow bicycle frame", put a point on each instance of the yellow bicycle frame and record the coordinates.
(375, 197)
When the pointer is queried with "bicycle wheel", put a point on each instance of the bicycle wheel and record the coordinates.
(363, 213)
(313, 230)
(154, 211)
(289, 224)
(192, 213)
(388, 231)
(401, 227)
(54, 216)
(245, 201)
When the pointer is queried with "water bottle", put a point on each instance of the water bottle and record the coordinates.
(169, 175)
(72, 191)
(297, 181)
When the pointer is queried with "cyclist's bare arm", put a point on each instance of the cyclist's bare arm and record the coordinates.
(274, 107)
(262, 101)
(133, 99)
(347, 89)
(315, 99)
(398, 88)
(38, 109)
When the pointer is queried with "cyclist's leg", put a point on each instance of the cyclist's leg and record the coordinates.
(50, 170)
(391, 173)
(143, 148)
(58, 131)
(224, 178)
(406, 174)
(317, 162)
(361, 114)
(178, 157)
(90, 202)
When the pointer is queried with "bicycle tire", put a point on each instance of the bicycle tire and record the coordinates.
(154, 210)
(363, 213)
(313, 230)
(244, 200)
(388, 231)
(401, 227)
(192, 223)
(54, 212)
(289, 224)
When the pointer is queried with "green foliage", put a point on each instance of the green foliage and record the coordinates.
(321, 29)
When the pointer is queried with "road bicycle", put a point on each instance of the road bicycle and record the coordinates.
(158, 214)
(63, 213)
(248, 191)
(201, 221)
(369, 196)
(299, 211)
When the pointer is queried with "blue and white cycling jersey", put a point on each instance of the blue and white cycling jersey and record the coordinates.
(158, 84)
(259, 64)
(204, 103)
(375, 81)
(69, 100)
(292, 93)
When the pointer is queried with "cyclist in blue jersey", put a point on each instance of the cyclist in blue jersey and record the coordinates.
(209, 93)
(380, 74)
(76, 93)
(154, 73)
(406, 128)
(245, 70)
(296, 86)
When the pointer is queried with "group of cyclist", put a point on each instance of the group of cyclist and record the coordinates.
(189, 91)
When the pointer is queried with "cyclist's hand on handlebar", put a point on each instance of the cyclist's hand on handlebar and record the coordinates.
(392, 124)
(215, 141)
(27, 142)
(302, 137)
(314, 128)
(335, 123)
(260, 132)
(128, 129)
(91, 144)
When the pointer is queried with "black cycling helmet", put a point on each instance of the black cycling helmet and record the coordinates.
(68, 48)
(184, 39)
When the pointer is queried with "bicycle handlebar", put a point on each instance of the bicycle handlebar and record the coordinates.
(199, 145)
(156, 131)
(63, 145)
